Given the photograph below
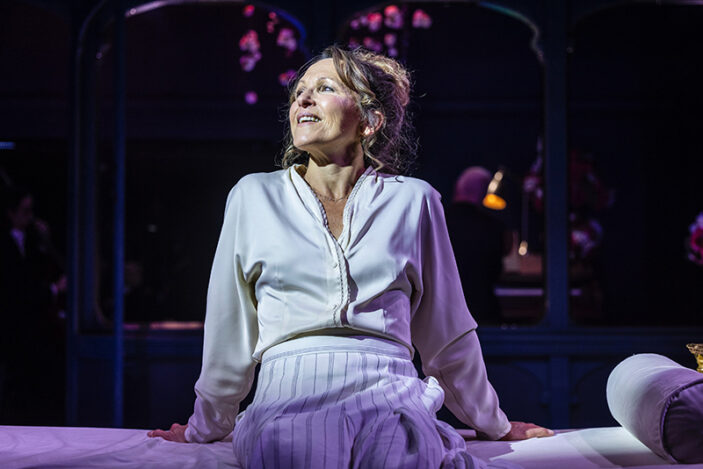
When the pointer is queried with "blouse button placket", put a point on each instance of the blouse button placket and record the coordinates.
(336, 249)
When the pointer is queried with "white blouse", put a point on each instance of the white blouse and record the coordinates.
(278, 272)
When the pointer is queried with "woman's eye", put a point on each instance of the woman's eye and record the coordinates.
(326, 88)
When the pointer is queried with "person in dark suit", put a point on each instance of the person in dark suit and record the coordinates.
(31, 366)
(480, 241)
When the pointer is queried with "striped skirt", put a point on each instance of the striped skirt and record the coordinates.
(346, 402)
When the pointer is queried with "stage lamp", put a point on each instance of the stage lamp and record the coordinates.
(495, 194)
(495, 199)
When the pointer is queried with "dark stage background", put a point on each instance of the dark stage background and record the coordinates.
(196, 121)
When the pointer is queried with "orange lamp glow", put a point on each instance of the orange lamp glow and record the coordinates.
(494, 202)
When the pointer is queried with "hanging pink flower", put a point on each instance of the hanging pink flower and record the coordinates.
(248, 61)
(394, 17)
(586, 235)
(372, 44)
(375, 21)
(694, 243)
(250, 97)
(286, 39)
(390, 39)
(250, 41)
(286, 77)
(272, 22)
(421, 19)
(248, 11)
(697, 242)
(355, 23)
(532, 185)
(392, 52)
(353, 43)
(587, 191)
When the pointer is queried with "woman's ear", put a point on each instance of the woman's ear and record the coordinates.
(375, 122)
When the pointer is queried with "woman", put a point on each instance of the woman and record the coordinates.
(327, 272)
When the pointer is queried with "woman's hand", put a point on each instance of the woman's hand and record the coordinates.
(176, 433)
(523, 431)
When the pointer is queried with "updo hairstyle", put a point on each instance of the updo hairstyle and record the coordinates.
(381, 85)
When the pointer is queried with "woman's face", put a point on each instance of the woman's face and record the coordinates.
(324, 117)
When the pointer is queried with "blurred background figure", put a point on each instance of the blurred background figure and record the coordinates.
(480, 241)
(32, 288)
(139, 301)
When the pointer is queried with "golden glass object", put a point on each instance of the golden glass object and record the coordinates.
(697, 351)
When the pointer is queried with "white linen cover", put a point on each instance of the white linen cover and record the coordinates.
(66, 447)
(641, 390)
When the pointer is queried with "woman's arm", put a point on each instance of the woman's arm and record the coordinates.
(444, 333)
(231, 332)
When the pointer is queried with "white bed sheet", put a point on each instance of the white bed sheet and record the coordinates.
(70, 447)
(67, 447)
(588, 448)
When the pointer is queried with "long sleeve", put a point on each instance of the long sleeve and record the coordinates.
(231, 332)
(444, 331)
(461, 372)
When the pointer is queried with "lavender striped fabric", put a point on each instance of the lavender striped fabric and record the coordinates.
(346, 402)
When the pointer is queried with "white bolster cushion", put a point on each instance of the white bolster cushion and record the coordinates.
(661, 403)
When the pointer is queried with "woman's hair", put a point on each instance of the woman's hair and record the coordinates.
(382, 85)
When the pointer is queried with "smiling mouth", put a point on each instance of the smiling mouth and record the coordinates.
(308, 118)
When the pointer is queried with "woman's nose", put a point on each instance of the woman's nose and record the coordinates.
(305, 98)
